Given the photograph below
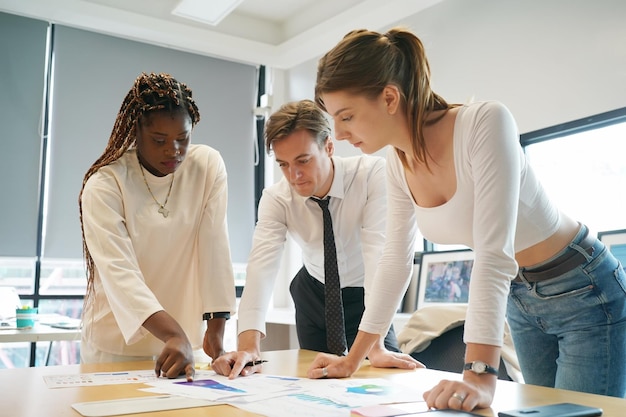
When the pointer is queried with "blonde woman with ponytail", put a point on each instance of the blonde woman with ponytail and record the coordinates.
(459, 175)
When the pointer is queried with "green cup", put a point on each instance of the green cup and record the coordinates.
(25, 317)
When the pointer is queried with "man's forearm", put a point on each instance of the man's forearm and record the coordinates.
(249, 340)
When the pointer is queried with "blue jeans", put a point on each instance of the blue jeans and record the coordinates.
(570, 331)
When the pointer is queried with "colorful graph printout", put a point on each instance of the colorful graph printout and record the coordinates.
(211, 384)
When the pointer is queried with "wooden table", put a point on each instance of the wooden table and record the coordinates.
(24, 393)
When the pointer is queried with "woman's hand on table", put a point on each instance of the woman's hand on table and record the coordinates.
(461, 395)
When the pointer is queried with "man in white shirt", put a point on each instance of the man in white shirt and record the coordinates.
(299, 135)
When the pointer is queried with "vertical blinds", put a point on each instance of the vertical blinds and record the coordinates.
(22, 71)
(91, 74)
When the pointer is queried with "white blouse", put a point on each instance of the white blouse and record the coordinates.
(499, 208)
(146, 262)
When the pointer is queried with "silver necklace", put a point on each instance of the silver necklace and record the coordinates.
(165, 212)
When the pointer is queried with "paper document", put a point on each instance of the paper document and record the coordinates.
(100, 378)
(269, 395)
(208, 385)
(389, 410)
(280, 396)
(137, 405)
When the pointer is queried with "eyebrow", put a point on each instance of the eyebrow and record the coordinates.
(339, 111)
(303, 155)
(184, 132)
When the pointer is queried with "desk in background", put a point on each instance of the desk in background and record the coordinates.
(25, 394)
(39, 333)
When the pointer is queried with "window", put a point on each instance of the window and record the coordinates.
(582, 166)
(54, 141)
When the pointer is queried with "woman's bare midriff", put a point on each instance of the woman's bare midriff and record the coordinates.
(551, 246)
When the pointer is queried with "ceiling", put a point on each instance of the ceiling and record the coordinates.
(276, 33)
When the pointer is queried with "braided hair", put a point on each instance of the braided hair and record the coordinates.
(150, 93)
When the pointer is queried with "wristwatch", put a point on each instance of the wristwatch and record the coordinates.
(479, 367)
(219, 315)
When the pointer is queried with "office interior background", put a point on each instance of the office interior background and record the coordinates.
(559, 65)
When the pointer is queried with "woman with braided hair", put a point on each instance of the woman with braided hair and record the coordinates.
(155, 238)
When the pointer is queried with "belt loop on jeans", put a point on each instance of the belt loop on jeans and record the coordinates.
(569, 260)
(521, 278)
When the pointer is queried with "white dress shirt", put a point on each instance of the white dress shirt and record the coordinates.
(357, 207)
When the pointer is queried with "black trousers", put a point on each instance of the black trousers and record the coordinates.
(308, 298)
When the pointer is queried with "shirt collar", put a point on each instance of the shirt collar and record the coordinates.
(337, 187)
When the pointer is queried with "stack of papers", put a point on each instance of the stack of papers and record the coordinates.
(263, 394)
(288, 396)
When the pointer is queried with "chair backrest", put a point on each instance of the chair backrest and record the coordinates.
(447, 353)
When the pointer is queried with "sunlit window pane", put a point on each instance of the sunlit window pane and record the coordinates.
(18, 273)
(60, 352)
(438, 247)
(63, 276)
(585, 175)
(14, 355)
(71, 308)
(63, 352)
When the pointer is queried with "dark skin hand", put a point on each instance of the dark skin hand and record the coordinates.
(176, 358)
(213, 344)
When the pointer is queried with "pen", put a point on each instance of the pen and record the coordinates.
(253, 363)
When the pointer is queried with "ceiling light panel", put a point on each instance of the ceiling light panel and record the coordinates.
(206, 11)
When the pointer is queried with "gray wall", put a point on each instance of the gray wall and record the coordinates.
(549, 61)
(91, 75)
(22, 52)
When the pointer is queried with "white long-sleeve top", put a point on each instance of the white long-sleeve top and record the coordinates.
(357, 206)
(145, 262)
(498, 209)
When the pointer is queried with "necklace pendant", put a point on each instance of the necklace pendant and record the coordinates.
(165, 212)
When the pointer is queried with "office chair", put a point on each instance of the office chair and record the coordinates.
(447, 353)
